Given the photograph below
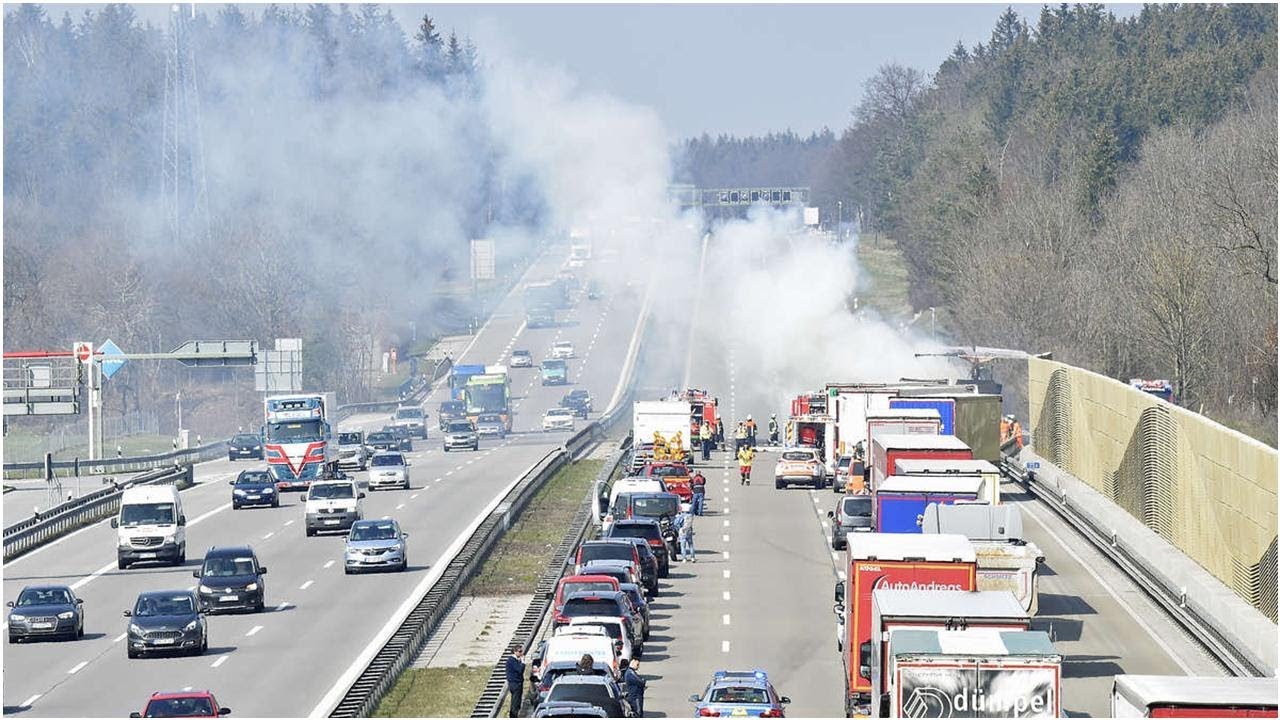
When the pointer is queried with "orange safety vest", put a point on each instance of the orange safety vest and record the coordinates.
(1004, 430)
(1017, 434)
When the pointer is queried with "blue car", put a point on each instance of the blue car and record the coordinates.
(254, 487)
(739, 694)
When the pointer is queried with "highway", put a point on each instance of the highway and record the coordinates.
(761, 593)
(291, 660)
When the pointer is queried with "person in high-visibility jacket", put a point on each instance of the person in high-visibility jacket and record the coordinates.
(1016, 429)
(746, 454)
(751, 431)
(773, 429)
(1005, 426)
(740, 437)
(704, 434)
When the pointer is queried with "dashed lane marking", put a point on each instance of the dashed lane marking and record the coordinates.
(29, 701)
(306, 585)
(726, 554)
(120, 637)
(725, 595)
(726, 574)
(268, 535)
(725, 618)
(724, 646)
(219, 661)
(725, 538)
(400, 506)
(253, 631)
(328, 565)
(79, 666)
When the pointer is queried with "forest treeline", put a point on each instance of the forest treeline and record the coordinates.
(1099, 187)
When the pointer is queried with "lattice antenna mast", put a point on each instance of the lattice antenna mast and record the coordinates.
(183, 179)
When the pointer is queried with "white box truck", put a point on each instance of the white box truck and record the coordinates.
(1005, 560)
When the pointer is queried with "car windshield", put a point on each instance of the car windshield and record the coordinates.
(739, 695)
(589, 586)
(460, 427)
(452, 406)
(554, 364)
(52, 596)
(594, 693)
(373, 531)
(655, 507)
(156, 605)
(797, 456)
(613, 630)
(520, 353)
(228, 567)
(250, 477)
(581, 607)
(391, 459)
(490, 418)
(147, 514)
(614, 572)
(331, 491)
(348, 438)
(294, 431)
(634, 531)
(408, 414)
(844, 462)
(380, 437)
(245, 440)
(858, 505)
(564, 344)
(607, 551)
(559, 412)
(179, 707)
(668, 471)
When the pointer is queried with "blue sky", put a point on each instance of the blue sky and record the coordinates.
(738, 69)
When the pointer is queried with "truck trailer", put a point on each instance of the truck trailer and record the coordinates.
(1176, 696)
(986, 470)
(876, 561)
(900, 502)
(1006, 561)
(888, 449)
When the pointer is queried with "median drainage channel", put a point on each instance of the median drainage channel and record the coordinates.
(457, 662)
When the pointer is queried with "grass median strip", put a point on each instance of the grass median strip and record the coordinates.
(512, 568)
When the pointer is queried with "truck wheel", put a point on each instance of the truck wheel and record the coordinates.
(779, 485)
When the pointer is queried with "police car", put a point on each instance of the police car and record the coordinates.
(739, 694)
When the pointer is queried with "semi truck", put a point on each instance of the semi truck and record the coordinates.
(982, 468)
(888, 449)
(459, 376)
(297, 439)
(879, 561)
(489, 393)
(1134, 696)
(980, 672)
(1006, 561)
(899, 502)
(541, 300)
(893, 610)
(975, 416)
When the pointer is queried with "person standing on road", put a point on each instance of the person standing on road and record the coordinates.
(699, 484)
(773, 429)
(720, 433)
(705, 435)
(687, 552)
(745, 457)
(515, 679)
(633, 685)
(751, 431)
(740, 437)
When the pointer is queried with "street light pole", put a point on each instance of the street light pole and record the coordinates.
(839, 216)
(933, 324)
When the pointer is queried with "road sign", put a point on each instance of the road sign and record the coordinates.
(109, 363)
(197, 353)
(1033, 465)
(483, 260)
(83, 351)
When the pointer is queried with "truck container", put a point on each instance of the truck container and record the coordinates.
(900, 502)
(666, 418)
(946, 408)
(903, 422)
(849, 404)
(931, 609)
(1006, 561)
(876, 561)
(1176, 696)
(989, 472)
(888, 449)
(815, 431)
(980, 672)
(976, 417)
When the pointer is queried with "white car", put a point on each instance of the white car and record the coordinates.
(521, 358)
(800, 466)
(332, 505)
(562, 350)
(600, 625)
(388, 469)
(559, 418)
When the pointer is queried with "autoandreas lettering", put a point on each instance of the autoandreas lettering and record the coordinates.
(976, 691)
(885, 583)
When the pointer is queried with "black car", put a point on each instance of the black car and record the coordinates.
(231, 579)
(166, 621)
(583, 396)
(598, 690)
(244, 445)
(450, 410)
(382, 440)
(576, 404)
(639, 602)
(545, 674)
(651, 531)
(254, 487)
(46, 611)
(650, 568)
(403, 436)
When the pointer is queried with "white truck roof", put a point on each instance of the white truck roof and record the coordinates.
(947, 603)
(932, 483)
(1144, 690)
(904, 414)
(150, 494)
(904, 546)
(919, 467)
(920, 442)
(976, 522)
(973, 642)
(562, 648)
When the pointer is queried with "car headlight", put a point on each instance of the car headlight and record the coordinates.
(17, 618)
(135, 629)
(206, 590)
(66, 615)
(237, 491)
(251, 586)
(191, 626)
(267, 491)
(169, 537)
(122, 541)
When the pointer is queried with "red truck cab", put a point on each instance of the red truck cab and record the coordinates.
(674, 475)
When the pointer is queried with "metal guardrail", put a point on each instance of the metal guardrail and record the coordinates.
(33, 532)
(404, 645)
(1173, 600)
(495, 690)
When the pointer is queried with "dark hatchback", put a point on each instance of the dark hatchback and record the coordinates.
(254, 487)
(244, 446)
(382, 440)
(403, 435)
(577, 403)
(231, 579)
(450, 410)
(166, 621)
(46, 611)
(649, 529)
(649, 566)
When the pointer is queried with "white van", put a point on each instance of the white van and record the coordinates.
(150, 526)
(333, 505)
(571, 648)
(635, 485)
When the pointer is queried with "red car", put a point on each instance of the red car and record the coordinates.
(197, 703)
(580, 583)
(674, 475)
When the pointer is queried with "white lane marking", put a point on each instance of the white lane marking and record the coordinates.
(400, 506)
(816, 501)
(282, 605)
(1098, 578)
(89, 578)
(328, 565)
(726, 523)
(726, 508)
(287, 523)
(446, 475)
(120, 637)
(253, 631)
(458, 468)
(439, 479)
(725, 618)
(386, 517)
(268, 535)
(413, 496)
(835, 555)
(79, 666)
(726, 554)
(726, 574)
(725, 538)
(30, 700)
(470, 461)
(724, 646)
(725, 595)
(840, 574)
(306, 585)
(825, 526)
(219, 661)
